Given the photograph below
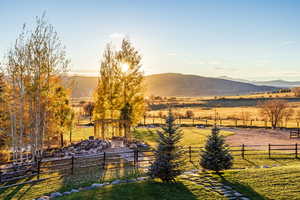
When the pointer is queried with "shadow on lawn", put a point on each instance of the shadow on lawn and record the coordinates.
(244, 189)
(148, 190)
(13, 191)
(251, 162)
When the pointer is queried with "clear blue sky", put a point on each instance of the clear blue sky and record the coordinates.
(242, 39)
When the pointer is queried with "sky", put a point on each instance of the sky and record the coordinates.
(255, 40)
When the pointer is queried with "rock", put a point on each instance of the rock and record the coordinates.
(74, 190)
(237, 194)
(266, 166)
(55, 194)
(116, 182)
(142, 178)
(131, 180)
(43, 198)
(244, 198)
(66, 193)
(228, 194)
(97, 185)
(133, 146)
(87, 188)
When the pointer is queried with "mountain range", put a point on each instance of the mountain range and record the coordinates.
(274, 83)
(175, 84)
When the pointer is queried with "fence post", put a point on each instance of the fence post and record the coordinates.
(206, 122)
(134, 158)
(236, 123)
(137, 158)
(72, 162)
(296, 150)
(38, 169)
(190, 153)
(104, 159)
(266, 124)
(0, 176)
(269, 151)
(243, 151)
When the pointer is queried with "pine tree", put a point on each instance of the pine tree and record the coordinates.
(168, 156)
(216, 155)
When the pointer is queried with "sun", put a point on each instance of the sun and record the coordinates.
(125, 67)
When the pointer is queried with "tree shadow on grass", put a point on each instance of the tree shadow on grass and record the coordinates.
(250, 162)
(148, 190)
(11, 192)
(242, 188)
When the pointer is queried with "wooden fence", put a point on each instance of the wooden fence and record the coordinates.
(134, 159)
(220, 122)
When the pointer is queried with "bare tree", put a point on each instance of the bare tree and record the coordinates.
(287, 115)
(189, 114)
(245, 116)
(296, 91)
(273, 110)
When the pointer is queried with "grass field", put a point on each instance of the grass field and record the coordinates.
(80, 133)
(232, 107)
(280, 183)
(191, 136)
(275, 183)
(255, 182)
(148, 190)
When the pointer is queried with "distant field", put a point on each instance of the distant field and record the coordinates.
(230, 109)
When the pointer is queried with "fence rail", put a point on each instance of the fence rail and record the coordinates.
(134, 159)
(201, 121)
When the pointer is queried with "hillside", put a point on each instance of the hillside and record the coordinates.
(279, 83)
(273, 83)
(172, 84)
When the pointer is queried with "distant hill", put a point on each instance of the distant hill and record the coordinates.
(173, 84)
(274, 83)
(279, 83)
(235, 79)
(82, 86)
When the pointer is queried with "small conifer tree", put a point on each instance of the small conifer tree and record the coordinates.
(216, 155)
(168, 156)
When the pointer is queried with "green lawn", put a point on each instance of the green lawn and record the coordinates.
(191, 136)
(80, 133)
(273, 183)
(147, 190)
